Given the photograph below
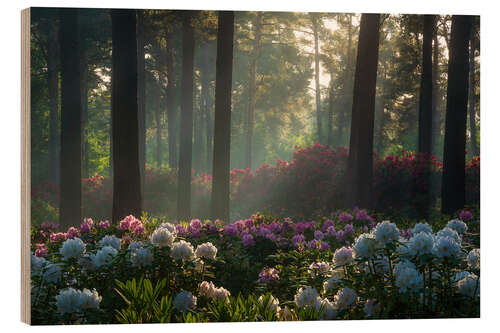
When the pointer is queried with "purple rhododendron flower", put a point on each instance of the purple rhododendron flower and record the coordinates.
(104, 224)
(268, 274)
(330, 231)
(318, 235)
(230, 230)
(327, 224)
(345, 217)
(298, 239)
(349, 228)
(247, 240)
(72, 233)
(465, 215)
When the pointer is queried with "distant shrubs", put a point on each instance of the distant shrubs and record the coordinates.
(312, 183)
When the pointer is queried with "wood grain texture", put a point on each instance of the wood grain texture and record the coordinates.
(25, 168)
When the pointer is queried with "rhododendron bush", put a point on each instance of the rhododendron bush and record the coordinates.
(311, 184)
(348, 265)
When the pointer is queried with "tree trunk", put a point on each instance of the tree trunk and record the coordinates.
(425, 116)
(315, 28)
(124, 113)
(171, 104)
(453, 188)
(360, 162)
(252, 90)
(197, 145)
(330, 113)
(71, 139)
(425, 105)
(472, 96)
(84, 95)
(186, 143)
(53, 86)
(158, 124)
(141, 95)
(436, 119)
(205, 106)
(222, 137)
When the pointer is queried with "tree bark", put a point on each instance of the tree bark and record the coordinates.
(315, 28)
(141, 95)
(425, 105)
(472, 96)
(425, 116)
(360, 161)
(71, 139)
(171, 103)
(186, 143)
(124, 112)
(436, 119)
(84, 95)
(53, 86)
(205, 106)
(222, 137)
(453, 187)
(330, 113)
(252, 90)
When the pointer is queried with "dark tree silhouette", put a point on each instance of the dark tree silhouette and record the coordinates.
(472, 95)
(425, 115)
(315, 28)
(124, 113)
(425, 105)
(360, 163)
(53, 87)
(453, 186)
(171, 103)
(71, 140)
(186, 137)
(141, 95)
(436, 119)
(222, 131)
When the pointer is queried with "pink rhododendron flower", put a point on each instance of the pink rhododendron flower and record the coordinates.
(58, 237)
(41, 250)
(465, 215)
(72, 233)
(345, 217)
(104, 224)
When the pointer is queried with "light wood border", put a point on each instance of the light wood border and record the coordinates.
(25, 167)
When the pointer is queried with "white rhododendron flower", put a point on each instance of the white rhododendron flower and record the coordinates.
(71, 300)
(473, 259)
(103, 257)
(342, 256)
(386, 232)
(37, 263)
(422, 227)
(111, 240)
(446, 247)
(421, 243)
(134, 245)
(402, 264)
(409, 279)
(90, 299)
(51, 273)
(221, 293)
(332, 283)
(306, 296)
(469, 286)
(365, 246)
(448, 232)
(272, 305)
(457, 225)
(206, 250)
(182, 250)
(184, 301)
(72, 248)
(319, 269)
(162, 237)
(169, 226)
(329, 309)
(345, 298)
(141, 257)
(371, 307)
(206, 289)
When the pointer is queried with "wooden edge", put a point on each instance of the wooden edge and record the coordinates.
(25, 168)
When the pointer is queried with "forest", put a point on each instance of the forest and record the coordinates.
(267, 139)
